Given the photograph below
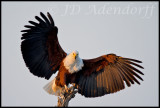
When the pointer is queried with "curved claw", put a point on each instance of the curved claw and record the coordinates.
(75, 85)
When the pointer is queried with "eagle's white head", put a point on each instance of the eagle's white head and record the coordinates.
(72, 62)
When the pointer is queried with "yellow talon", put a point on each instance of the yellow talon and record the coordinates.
(75, 85)
(66, 88)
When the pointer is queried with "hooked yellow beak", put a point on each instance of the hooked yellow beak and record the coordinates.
(75, 55)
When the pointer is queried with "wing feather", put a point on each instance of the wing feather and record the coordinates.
(124, 76)
(41, 22)
(134, 60)
(133, 68)
(89, 87)
(110, 83)
(92, 82)
(102, 80)
(86, 86)
(119, 76)
(50, 18)
(129, 62)
(131, 75)
(133, 72)
(34, 23)
(104, 83)
(99, 84)
(45, 18)
(107, 74)
(94, 85)
(81, 87)
(107, 82)
(40, 48)
(115, 78)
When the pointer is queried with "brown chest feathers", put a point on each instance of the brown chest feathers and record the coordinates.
(64, 77)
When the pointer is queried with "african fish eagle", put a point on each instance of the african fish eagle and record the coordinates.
(95, 77)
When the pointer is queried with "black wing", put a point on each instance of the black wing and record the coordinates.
(40, 48)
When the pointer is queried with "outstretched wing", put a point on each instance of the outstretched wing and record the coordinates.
(106, 74)
(40, 48)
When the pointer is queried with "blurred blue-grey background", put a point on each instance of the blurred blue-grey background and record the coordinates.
(128, 29)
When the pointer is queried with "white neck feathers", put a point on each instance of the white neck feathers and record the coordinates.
(73, 65)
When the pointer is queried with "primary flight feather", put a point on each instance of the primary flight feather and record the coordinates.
(44, 56)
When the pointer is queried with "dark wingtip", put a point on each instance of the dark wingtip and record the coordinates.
(50, 18)
(142, 67)
(22, 38)
(134, 60)
(41, 13)
(48, 13)
(36, 17)
(23, 30)
(25, 26)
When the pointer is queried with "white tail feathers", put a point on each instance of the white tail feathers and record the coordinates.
(52, 88)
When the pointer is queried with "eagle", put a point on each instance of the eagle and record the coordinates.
(95, 77)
